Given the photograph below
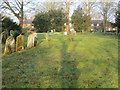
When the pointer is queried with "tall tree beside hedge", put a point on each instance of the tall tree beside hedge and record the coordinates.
(41, 22)
(53, 19)
(57, 19)
(80, 20)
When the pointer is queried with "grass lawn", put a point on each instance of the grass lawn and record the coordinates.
(90, 61)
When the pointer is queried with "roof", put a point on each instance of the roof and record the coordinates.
(100, 22)
(28, 21)
(97, 21)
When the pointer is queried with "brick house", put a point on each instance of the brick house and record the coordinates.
(27, 23)
(97, 25)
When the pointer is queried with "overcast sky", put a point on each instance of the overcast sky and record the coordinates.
(72, 7)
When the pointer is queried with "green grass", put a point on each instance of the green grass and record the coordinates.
(90, 61)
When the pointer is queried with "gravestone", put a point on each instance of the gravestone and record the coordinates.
(11, 32)
(9, 45)
(32, 40)
(46, 37)
(52, 31)
(20, 42)
(74, 32)
(65, 33)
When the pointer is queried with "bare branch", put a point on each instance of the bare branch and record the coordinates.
(17, 4)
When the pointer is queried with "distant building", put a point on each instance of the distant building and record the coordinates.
(27, 23)
(97, 25)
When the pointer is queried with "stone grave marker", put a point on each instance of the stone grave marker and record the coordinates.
(9, 45)
(20, 42)
(46, 37)
(32, 40)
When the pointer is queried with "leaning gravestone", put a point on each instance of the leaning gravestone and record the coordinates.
(20, 42)
(9, 45)
(32, 40)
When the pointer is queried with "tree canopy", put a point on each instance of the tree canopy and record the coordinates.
(7, 26)
(52, 19)
(80, 20)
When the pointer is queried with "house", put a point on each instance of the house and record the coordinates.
(97, 25)
(27, 23)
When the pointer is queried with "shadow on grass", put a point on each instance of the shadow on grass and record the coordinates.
(69, 73)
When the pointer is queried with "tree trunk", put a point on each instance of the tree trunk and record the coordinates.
(105, 24)
(22, 15)
(67, 15)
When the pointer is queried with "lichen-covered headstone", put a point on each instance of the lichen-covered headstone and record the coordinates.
(9, 45)
(46, 37)
(32, 40)
(20, 42)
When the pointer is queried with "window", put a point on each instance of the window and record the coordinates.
(97, 24)
(92, 24)
(91, 29)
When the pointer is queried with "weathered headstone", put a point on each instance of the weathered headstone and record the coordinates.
(46, 37)
(65, 33)
(9, 45)
(11, 32)
(74, 32)
(32, 40)
(20, 42)
(52, 31)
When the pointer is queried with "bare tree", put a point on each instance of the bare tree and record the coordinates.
(88, 6)
(16, 7)
(46, 6)
(67, 15)
(106, 9)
